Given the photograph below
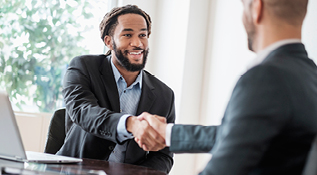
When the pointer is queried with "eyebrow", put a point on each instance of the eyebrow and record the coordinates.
(129, 29)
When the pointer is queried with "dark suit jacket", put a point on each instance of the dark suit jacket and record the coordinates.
(92, 112)
(270, 121)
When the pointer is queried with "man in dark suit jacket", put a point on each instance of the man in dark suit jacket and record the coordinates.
(271, 118)
(104, 93)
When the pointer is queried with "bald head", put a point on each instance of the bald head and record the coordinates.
(291, 12)
(269, 21)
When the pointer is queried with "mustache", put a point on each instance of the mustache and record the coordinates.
(135, 48)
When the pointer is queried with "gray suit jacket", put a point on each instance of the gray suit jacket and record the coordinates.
(92, 112)
(270, 121)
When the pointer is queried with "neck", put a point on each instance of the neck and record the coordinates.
(268, 35)
(128, 76)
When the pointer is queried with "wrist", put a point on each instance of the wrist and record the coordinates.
(130, 123)
(163, 130)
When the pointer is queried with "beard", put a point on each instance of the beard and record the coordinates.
(251, 36)
(250, 30)
(250, 43)
(125, 62)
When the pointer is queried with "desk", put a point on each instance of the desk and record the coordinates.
(88, 166)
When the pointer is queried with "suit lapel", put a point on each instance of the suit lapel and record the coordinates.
(107, 77)
(134, 152)
(147, 96)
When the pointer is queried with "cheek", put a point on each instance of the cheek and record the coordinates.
(246, 20)
(145, 43)
(121, 43)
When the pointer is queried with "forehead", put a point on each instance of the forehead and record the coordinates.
(131, 21)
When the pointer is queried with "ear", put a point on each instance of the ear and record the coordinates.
(257, 11)
(108, 41)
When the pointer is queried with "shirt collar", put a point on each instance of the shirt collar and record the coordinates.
(117, 75)
(265, 52)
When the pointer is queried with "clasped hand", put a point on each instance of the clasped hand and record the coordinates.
(148, 131)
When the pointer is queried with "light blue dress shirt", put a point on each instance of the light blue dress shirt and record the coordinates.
(131, 97)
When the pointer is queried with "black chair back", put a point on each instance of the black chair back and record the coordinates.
(56, 132)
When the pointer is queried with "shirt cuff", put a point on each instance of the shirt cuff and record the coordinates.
(122, 133)
(168, 133)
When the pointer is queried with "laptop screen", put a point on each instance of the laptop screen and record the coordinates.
(11, 144)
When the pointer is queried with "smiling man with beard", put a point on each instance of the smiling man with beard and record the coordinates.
(124, 61)
(104, 94)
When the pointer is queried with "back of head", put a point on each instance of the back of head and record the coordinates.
(290, 11)
(110, 20)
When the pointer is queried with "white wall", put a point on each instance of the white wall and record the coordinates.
(310, 30)
(33, 129)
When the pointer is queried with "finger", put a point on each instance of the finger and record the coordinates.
(149, 143)
(154, 147)
(160, 118)
(140, 144)
(149, 137)
(142, 116)
(149, 118)
(136, 139)
(153, 121)
(144, 136)
(155, 140)
(145, 148)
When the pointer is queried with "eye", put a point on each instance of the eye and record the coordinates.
(142, 35)
(127, 35)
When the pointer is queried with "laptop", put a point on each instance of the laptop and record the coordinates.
(11, 146)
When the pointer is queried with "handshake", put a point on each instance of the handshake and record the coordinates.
(148, 131)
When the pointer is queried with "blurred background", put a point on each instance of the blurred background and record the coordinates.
(197, 47)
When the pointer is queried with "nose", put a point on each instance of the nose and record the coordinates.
(135, 42)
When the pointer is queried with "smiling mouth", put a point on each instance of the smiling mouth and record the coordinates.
(136, 53)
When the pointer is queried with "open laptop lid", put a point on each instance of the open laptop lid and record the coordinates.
(11, 146)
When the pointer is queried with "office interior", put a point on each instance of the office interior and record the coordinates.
(199, 49)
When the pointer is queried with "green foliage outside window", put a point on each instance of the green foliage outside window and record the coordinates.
(37, 40)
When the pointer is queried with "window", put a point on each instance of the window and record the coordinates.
(37, 41)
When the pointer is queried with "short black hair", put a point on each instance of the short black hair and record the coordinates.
(291, 11)
(110, 20)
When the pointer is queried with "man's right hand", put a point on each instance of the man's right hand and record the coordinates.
(158, 123)
(144, 134)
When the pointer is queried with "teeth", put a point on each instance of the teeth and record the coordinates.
(135, 53)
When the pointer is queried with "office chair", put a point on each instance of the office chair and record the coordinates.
(56, 132)
(311, 163)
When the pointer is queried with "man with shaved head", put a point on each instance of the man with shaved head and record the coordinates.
(271, 119)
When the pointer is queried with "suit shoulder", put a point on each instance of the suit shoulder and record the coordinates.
(87, 60)
(156, 82)
(262, 71)
(269, 76)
